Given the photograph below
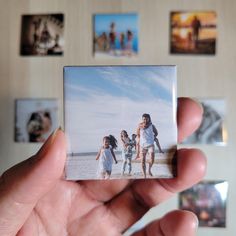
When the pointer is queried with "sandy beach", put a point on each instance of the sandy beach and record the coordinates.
(81, 167)
(116, 54)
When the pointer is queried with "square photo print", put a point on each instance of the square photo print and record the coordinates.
(120, 122)
(193, 32)
(207, 200)
(212, 130)
(35, 119)
(42, 35)
(115, 35)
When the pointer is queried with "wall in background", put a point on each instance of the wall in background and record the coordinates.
(198, 76)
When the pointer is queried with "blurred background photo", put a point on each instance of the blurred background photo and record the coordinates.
(35, 119)
(42, 35)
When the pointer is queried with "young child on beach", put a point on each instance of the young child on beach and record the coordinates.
(113, 141)
(106, 156)
(128, 144)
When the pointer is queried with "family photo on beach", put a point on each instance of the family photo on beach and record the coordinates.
(115, 35)
(120, 121)
(142, 143)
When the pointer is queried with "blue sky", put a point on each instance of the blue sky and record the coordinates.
(136, 82)
(104, 100)
(122, 22)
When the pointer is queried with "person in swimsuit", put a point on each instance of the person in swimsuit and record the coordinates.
(112, 38)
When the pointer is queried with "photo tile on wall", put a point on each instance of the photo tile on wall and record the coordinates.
(35, 119)
(120, 122)
(42, 35)
(115, 35)
(207, 200)
(213, 128)
(193, 32)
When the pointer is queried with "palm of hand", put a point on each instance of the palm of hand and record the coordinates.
(71, 209)
(35, 201)
(100, 207)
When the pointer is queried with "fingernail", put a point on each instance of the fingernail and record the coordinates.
(195, 222)
(53, 135)
(42, 151)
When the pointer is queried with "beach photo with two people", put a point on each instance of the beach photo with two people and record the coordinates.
(120, 121)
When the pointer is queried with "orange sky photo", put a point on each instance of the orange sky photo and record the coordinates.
(184, 19)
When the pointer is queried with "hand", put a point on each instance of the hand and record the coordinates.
(36, 200)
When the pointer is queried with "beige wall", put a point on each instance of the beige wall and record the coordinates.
(198, 76)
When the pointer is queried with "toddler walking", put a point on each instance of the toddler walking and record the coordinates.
(126, 151)
(105, 157)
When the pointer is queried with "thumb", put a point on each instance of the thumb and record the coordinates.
(24, 184)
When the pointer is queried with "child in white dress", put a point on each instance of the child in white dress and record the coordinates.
(105, 157)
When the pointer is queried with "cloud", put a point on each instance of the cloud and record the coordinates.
(87, 122)
(104, 100)
(136, 83)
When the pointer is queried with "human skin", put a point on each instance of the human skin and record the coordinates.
(35, 199)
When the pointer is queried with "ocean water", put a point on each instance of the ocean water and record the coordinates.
(81, 167)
